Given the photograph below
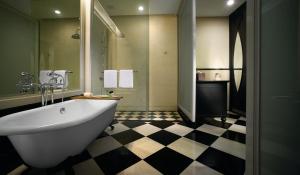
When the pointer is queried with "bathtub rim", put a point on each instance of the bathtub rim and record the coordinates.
(17, 130)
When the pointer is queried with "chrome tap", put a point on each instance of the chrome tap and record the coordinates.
(54, 84)
(57, 81)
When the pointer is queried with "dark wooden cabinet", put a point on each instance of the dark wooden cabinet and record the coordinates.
(211, 99)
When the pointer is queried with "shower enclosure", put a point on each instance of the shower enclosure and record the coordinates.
(130, 51)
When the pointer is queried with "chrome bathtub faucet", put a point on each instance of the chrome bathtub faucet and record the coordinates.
(57, 81)
(54, 84)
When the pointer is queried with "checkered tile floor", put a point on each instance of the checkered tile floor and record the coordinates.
(161, 143)
(158, 116)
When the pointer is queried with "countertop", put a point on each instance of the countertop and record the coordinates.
(98, 97)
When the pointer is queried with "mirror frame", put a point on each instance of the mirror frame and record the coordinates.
(20, 100)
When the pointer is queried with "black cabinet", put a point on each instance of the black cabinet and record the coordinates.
(211, 99)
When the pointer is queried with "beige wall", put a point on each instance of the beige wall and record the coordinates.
(213, 45)
(163, 63)
(58, 51)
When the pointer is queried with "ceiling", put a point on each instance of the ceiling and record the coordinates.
(70, 8)
(44, 9)
(210, 8)
(205, 8)
(129, 7)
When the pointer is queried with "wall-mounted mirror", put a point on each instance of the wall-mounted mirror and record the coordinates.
(238, 61)
(38, 35)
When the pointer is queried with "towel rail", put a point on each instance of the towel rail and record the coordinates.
(118, 71)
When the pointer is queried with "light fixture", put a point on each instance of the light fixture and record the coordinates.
(141, 8)
(230, 2)
(58, 12)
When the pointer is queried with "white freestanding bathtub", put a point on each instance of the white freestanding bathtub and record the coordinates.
(46, 136)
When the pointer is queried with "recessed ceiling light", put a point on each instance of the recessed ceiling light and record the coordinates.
(230, 2)
(141, 8)
(58, 12)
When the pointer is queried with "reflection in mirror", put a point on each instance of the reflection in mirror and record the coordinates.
(38, 35)
(238, 61)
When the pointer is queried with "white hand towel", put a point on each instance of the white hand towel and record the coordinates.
(44, 77)
(61, 80)
(110, 78)
(126, 79)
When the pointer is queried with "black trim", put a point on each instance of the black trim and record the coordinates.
(8, 111)
(219, 68)
(212, 81)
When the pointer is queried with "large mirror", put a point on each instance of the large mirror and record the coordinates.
(38, 35)
(238, 61)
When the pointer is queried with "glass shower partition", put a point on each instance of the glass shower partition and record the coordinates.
(99, 55)
(130, 51)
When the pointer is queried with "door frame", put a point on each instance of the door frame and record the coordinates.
(253, 87)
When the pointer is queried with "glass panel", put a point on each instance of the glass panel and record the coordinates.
(37, 35)
(59, 37)
(238, 61)
(99, 55)
(128, 52)
(55, 36)
(279, 87)
(131, 52)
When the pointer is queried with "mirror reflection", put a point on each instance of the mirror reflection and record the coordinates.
(238, 61)
(38, 35)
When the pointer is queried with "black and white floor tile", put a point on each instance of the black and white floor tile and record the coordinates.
(153, 116)
(161, 143)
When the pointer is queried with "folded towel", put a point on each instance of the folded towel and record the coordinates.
(110, 78)
(65, 80)
(126, 79)
(44, 77)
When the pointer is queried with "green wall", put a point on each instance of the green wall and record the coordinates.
(18, 48)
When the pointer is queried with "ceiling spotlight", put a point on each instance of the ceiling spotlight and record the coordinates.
(58, 12)
(141, 8)
(230, 2)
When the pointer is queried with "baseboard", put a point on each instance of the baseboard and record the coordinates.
(185, 118)
(162, 108)
(239, 112)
